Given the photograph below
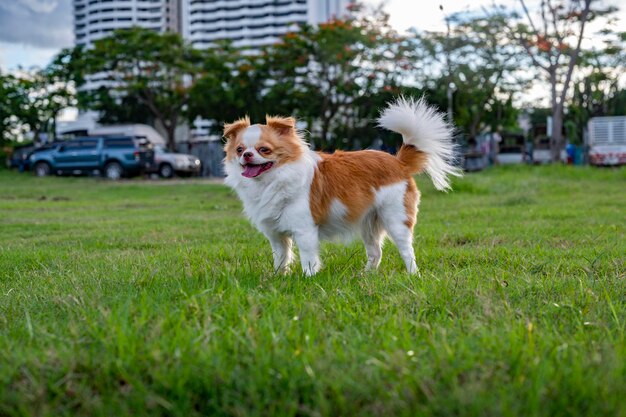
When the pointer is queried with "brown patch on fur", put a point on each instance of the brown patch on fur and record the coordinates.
(353, 177)
(231, 133)
(232, 129)
(283, 141)
(411, 200)
(413, 159)
(282, 125)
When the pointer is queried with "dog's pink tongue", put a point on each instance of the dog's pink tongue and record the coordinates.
(251, 171)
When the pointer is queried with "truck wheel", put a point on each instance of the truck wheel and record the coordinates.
(166, 171)
(42, 169)
(113, 171)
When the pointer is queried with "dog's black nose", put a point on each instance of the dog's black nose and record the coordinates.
(248, 155)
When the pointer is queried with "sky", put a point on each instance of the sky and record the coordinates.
(32, 31)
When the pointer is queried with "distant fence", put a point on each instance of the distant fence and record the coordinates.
(211, 153)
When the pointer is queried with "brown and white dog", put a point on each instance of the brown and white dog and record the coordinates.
(291, 193)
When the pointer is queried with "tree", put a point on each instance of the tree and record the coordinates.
(231, 83)
(596, 90)
(554, 46)
(333, 77)
(476, 57)
(11, 102)
(330, 73)
(156, 69)
(32, 101)
(113, 107)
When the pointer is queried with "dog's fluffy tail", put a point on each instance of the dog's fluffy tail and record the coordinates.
(424, 128)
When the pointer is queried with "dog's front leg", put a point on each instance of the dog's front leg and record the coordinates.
(281, 250)
(309, 245)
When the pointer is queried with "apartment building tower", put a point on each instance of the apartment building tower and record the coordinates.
(253, 23)
(247, 23)
(95, 19)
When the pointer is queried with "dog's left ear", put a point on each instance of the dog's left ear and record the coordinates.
(282, 125)
(231, 129)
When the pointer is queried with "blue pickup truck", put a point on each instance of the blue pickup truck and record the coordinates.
(113, 157)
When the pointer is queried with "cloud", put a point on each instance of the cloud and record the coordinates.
(40, 6)
(38, 23)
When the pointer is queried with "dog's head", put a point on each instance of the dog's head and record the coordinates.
(258, 149)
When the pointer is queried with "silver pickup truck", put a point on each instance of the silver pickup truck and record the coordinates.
(167, 164)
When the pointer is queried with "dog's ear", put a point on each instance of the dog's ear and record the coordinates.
(282, 125)
(231, 129)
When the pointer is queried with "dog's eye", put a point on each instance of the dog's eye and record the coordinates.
(265, 150)
(239, 149)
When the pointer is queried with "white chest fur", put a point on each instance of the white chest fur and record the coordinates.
(278, 200)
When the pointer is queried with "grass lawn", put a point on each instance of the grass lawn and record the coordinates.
(140, 298)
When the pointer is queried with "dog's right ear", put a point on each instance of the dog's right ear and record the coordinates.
(231, 129)
(282, 125)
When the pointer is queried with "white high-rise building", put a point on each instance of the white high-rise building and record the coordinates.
(252, 23)
(248, 23)
(95, 19)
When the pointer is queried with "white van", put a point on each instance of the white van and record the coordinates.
(135, 130)
(607, 140)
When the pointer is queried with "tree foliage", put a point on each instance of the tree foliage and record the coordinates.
(337, 73)
(231, 83)
(552, 38)
(31, 101)
(334, 77)
(596, 89)
(141, 66)
(476, 59)
(11, 101)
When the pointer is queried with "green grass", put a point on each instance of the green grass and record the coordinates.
(146, 299)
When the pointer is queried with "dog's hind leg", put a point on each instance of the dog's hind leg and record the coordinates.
(397, 213)
(402, 236)
(373, 235)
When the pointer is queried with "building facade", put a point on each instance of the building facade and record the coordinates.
(95, 19)
(247, 23)
(252, 23)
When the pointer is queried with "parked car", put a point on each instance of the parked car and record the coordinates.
(541, 151)
(512, 149)
(17, 157)
(113, 157)
(166, 164)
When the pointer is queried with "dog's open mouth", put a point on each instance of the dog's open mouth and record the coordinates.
(251, 170)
